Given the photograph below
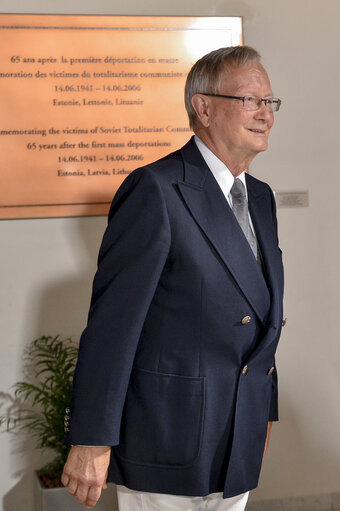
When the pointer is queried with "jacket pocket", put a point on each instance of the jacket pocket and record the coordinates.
(162, 420)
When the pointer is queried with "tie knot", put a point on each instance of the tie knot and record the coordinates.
(238, 189)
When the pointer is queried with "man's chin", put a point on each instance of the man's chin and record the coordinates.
(262, 146)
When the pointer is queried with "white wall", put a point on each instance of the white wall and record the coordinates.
(47, 265)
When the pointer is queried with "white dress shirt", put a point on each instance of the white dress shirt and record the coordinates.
(221, 173)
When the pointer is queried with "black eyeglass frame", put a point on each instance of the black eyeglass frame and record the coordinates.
(276, 101)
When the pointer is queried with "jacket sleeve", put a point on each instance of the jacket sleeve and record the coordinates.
(274, 405)
(131, 258)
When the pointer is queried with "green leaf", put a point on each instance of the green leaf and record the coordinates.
(38, 403)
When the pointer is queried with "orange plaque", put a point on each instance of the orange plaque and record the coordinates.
(87, 99)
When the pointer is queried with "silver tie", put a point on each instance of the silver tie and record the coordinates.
(240, 210)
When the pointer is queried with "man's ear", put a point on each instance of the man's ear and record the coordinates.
(202, 107)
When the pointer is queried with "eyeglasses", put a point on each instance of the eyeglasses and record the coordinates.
(251, 103)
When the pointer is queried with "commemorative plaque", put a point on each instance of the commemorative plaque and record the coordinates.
(87, 99)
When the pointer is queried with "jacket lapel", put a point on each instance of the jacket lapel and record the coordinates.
(260, 211)
(213, 214)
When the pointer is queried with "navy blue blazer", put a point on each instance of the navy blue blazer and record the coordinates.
(176, 367)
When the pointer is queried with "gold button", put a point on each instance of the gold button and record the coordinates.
(284, 322)
(271, 370)
(245, 370)
(246, 320)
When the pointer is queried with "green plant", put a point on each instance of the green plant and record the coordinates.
(38, 404)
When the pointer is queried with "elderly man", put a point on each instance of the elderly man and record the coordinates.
(175, 387)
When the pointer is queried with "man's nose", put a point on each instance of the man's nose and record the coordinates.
(264, 112)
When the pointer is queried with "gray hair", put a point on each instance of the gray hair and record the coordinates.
(206, 74)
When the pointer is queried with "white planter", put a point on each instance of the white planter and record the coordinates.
(58, 499)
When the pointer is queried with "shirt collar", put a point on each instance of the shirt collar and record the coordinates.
(220, 171)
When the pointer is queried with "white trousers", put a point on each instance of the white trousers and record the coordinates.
(130, 500)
